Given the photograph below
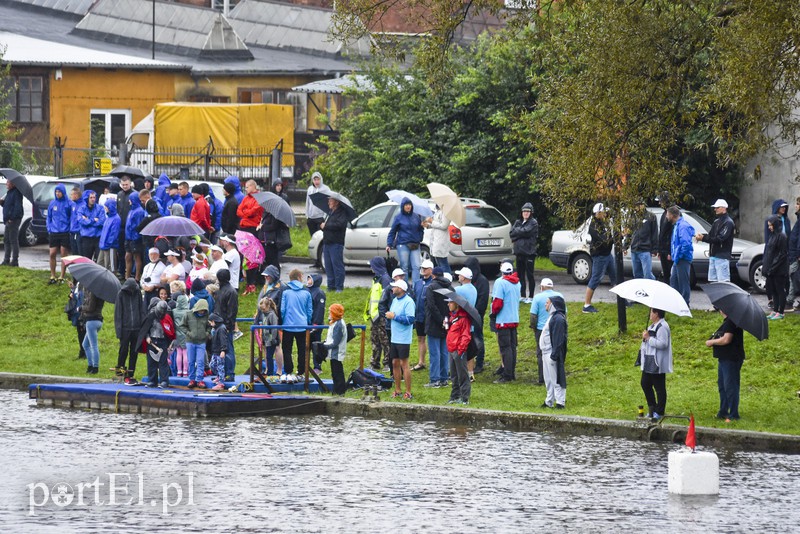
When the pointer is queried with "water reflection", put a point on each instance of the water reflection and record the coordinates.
(332, 474)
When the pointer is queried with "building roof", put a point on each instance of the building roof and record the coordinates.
(27, 51)
(74, 7)
(335, 86)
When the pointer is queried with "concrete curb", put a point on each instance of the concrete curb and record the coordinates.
(522, 421)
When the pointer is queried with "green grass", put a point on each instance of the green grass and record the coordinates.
(602, 381)
(543, 263)
(300, 239)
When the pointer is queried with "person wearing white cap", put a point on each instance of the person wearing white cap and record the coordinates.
(505, 308)
(217, 260)
(720, 239)
(384, 304)
(420, 290)
(232, 257)
(468, 291)
(539, 316)
(602, 239)
(401, 316)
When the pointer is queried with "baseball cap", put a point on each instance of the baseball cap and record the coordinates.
(720, 203)
(438, 271)
(228, 238)
(598, 208)
(401, 284)
(466, 272)
(546, 282)
(506, 268)
(426, 264)
(398, 272)
(154, 250)
(448, 276)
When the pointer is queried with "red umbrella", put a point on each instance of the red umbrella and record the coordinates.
(250, 247)
(69, 260)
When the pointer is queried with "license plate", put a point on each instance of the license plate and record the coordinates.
(489, 242)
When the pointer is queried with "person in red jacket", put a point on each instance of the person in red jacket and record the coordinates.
(250, 213)
(458, 338)
(201, 212)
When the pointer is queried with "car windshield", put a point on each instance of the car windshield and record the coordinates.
(3, 189)
(44, 193)
(485, 217)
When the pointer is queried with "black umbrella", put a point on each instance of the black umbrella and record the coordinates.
(96, 279)
(19, 181)
(477, 320)
(278, 207)
(127, 170)
(320, 200)
(739, 306)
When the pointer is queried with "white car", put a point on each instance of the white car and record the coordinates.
(27, 236)
(485, 236)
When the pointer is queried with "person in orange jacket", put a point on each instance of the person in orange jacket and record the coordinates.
(250, 213)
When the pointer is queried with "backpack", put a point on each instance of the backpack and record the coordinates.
(168, 326)
(359, 379)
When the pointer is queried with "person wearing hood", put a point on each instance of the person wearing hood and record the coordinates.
(133, 239)
(161, 193)
(185, 199)
(318, 299)
(314, 215)
(195, 324)
(197, 292)
(334, 230)
(216, 206)
(336, 347)
(459, 329)
(230, 221)
(109, 237)
(681, 253)
(779, 209)
(277, 188)
(201, 211)
(405, 236)
(129, 312)
(272, 287)
(372, 316)
(720, 239)
(226, 305)
(435, 313)
(440, 240)
(173, 200)
(76, 201)
(123, 208)
(775, 266)
(92, 317)
(655, 354)
(91, 217)
(481, 284)
(12, 218)
(250, 213)
(794, 258)
(220, 346)
(157, 330)
(539, 317)
(524, 233)
(152, 212)
(554, 354)
(297, 311)
(179, 314)
(237, 188)
(505, 309)
(59, 213)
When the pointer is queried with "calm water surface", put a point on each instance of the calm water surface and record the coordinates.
(326, 474)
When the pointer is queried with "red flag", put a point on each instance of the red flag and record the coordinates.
(691, 442)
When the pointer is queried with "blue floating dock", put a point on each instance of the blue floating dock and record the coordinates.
(258, 386)
(174, 400)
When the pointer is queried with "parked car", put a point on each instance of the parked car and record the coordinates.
(485, 236)
(749, 267)
(570, 249)
(28, 237)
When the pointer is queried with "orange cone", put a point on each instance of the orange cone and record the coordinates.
(691, 441)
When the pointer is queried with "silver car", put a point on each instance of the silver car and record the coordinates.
(749, 268)
(570, 249)
(485, 236)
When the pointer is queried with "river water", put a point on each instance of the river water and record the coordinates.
(328, 474)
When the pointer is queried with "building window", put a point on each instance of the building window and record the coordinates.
(109, 128)
(25, 99)
(264, 96)
(210, 99)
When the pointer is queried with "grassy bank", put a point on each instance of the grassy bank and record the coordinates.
(602, 381)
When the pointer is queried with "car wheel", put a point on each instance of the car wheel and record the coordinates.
(29, 239)
(425, 253)
(757, 279)
(581, 268)
(319, 257)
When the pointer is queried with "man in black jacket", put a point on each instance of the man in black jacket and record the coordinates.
(720, 237)
(123, 208)
(12, 218)
(600, 249)
(230, 221)
(333, 232)
(129, 312)
(226, 304)
(644, 242)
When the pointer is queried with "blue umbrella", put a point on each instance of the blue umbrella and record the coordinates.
(421, 206)
(172, 226)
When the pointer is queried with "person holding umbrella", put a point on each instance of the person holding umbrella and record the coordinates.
(458, 326)
(656, 361)
(333, 233)
(728, 346)
(250, 213)
(12, 217)
(91, 315)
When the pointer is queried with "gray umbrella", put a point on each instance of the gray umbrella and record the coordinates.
(277, 207)
(477, 320)
(127, 170)
(96, 279)
(19, 181)
(320, 200)
(739, 306)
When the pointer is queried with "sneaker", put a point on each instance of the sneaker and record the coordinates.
(472, 378)
(502, 380)
(408, 396)
(52, 281)
(237, 334)
(454, 401)
(545, 405)
(499, 371)
(163, 385)
(396, 394)
(433, 384)
(61, 280)
(218, 387)
(317, 371)
(282, 379)
(589, 309)
(560, 406)
(130, 381)
(776, 317)
(150, 385)
(192, 384)
(201, 385)
(655, 417)
(119, 371)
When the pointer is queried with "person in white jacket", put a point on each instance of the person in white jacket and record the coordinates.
(440, 240)
(314, 215)
(656, 361)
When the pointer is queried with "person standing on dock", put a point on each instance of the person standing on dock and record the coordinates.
(401, 315)
(220, 346)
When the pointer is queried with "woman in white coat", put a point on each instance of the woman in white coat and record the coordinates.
(656, 362)
(440, 240)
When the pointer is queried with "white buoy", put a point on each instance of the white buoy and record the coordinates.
(693, 473)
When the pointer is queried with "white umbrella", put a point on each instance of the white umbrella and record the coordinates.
(653, 294)
(449, 203)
